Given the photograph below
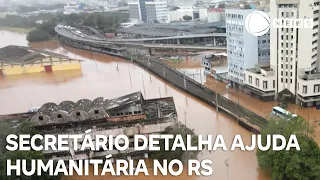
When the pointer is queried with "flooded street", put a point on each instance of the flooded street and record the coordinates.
(264, 108)
(100, 77)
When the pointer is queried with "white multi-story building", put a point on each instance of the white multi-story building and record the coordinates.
(294, 52)
(135, 10)
(149, 10)
(294, 56)
(244, 50)
(157, 10)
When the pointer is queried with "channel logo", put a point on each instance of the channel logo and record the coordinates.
(258, 23)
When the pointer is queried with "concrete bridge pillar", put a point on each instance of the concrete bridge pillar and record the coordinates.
(214, 41)
(178, 41)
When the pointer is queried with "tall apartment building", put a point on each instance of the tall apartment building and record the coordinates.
(294, 61)
(149, 10)
(135, 10)
(244, 50)
(295, 52)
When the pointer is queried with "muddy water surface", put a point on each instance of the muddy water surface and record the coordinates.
(100, 77)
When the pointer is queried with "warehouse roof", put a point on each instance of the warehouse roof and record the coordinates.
(86, 104)
(24, 55)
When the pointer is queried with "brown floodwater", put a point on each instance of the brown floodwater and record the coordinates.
(264, 108)
(100, 77)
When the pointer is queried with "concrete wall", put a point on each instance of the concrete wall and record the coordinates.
(310, 87)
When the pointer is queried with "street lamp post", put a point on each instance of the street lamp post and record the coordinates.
(227, 165)
(185, 118)
(238, 80)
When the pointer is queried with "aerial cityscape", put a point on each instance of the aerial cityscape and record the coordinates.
(167, 68)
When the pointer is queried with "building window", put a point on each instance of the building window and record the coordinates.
(286, 80)
(59, 116)
(304, 90)
(265, 85)
(281, 65)
(316, 88)
(291, 81)
(257, 82)
(274, 83)
(281, 79)
(250, 79)
(281, 73)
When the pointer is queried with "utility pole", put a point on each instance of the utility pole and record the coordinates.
(164, 71)
(185, 118)
(144, 89)
(227, 165)
(58, 44)
(184, 80)
(217, 105)
(200, 76)
(130, 75)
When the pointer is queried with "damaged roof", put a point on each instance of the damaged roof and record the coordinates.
(86, 104)
(123, 100)
(24, 55)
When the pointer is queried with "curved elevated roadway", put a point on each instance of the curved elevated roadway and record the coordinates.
(97, 40)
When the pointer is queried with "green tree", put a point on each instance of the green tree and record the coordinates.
(48, 27)
(177, 129)
(38, 36)
(23, 128)
(292, 164)
(187, 18)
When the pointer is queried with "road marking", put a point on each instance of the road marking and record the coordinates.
(88, 131)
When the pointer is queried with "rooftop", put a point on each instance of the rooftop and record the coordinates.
(128, 107)
(86, 104)
(312, 76)
(221, 69)
(261, 70)
(215, 56)
(24, 55)
(173, 29)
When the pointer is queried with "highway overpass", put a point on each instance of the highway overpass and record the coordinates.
(98, 41)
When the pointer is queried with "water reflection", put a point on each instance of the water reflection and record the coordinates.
(56, 78)
(12, 38)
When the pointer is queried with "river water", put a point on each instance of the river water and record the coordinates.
(100, 77)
